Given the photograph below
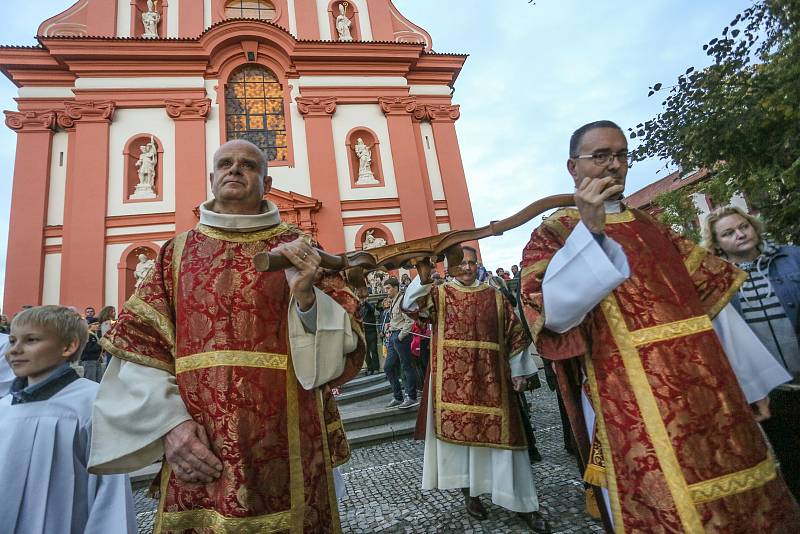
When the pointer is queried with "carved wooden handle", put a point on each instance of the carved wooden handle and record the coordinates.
(407, 254)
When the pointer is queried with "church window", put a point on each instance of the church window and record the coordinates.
(250, 9)
(254, 110)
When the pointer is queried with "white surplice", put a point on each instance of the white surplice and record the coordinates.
(45, 487)
(506, 474)
(138, 405)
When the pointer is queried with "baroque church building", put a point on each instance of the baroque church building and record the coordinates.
(122, 104)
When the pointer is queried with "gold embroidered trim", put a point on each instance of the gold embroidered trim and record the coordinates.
(651, 416)
(611, 218)
(739, 482)
(595, 475)
(230, 358)
(153, 317)
(439, 359)
(334, 425)
(133, 357)
(696, 257)
(726, 298)
(211, 519)
(296, 475)
(602, 436)
(664, 332)
(500, 306)
(326, 455)
(244, 237)
(465, 289)
(177, 257)
(537, 268)
(468, 344)
(469, 408)
(556, 226)
(166, 471)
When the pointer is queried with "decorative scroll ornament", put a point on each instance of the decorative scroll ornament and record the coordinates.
(398, 105)
(442, 112)
(188, 108)
(30, 120)
(90, 111)
(315, 106)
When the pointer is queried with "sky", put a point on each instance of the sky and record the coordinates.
(536, 71)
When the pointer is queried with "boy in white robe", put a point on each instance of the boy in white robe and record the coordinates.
(46, 431)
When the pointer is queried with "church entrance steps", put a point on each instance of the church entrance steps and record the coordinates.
(371, 387)
(366, 419)
(362, 381)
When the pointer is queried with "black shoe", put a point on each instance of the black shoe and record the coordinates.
(536, 522)
(474, 506)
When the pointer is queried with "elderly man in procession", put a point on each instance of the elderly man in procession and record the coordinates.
(470, 419)
(227, 372)
(626, 306)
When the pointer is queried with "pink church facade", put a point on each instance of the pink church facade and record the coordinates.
(94, 92)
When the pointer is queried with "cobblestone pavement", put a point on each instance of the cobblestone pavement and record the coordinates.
(383, 484)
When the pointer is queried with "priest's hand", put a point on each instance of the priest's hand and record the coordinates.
(188, 452)
(519, 383)
(306, 260)
(590, 197)
(761, 409)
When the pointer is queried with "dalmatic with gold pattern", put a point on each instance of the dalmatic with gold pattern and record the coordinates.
(205, 315)
(679, 447)
(475, 333)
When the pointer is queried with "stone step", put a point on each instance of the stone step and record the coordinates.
(373, 413)
(368, 391)
(364, 437)
(362, 381)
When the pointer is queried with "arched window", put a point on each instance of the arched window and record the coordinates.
(250, 9)
(254, 110)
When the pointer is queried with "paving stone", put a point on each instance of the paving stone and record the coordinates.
(384, 492)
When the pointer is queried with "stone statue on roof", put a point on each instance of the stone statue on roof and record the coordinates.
(150, 20)
(343, 25)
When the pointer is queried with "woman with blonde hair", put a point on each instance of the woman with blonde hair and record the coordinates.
(768, 300)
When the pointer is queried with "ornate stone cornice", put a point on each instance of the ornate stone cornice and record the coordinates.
(442, 113)
(90, 111)
(30, 121)
(316, 107)
(398, 105)
(188, 108)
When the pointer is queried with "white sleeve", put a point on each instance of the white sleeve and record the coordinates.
(414, 291)
(579, 276)
(319, 356)
(756, 369)
(523, 364)
(135, 407)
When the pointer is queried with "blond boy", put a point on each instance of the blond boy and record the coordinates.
(46, 431)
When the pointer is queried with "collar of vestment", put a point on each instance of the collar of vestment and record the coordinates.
(477, 285)
(616, 212)
(60, 378)
(241, 228)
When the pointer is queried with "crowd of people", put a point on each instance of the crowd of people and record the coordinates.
(677, 369)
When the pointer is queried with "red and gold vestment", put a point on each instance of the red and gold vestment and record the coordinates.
(680, 447)
(205, 315)
(475, 332)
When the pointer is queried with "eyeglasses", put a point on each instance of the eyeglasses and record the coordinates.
(604, 158)
(469, 263)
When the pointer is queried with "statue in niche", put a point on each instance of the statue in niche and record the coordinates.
(147, 163)
(143, 268)
(365, 176)
(150, 20)
(370, 241)
(343, 24)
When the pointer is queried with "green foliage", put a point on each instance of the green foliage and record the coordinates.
(740, 117)
(679, 212)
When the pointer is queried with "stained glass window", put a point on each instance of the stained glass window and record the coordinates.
(249, 9)
(254, 110)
